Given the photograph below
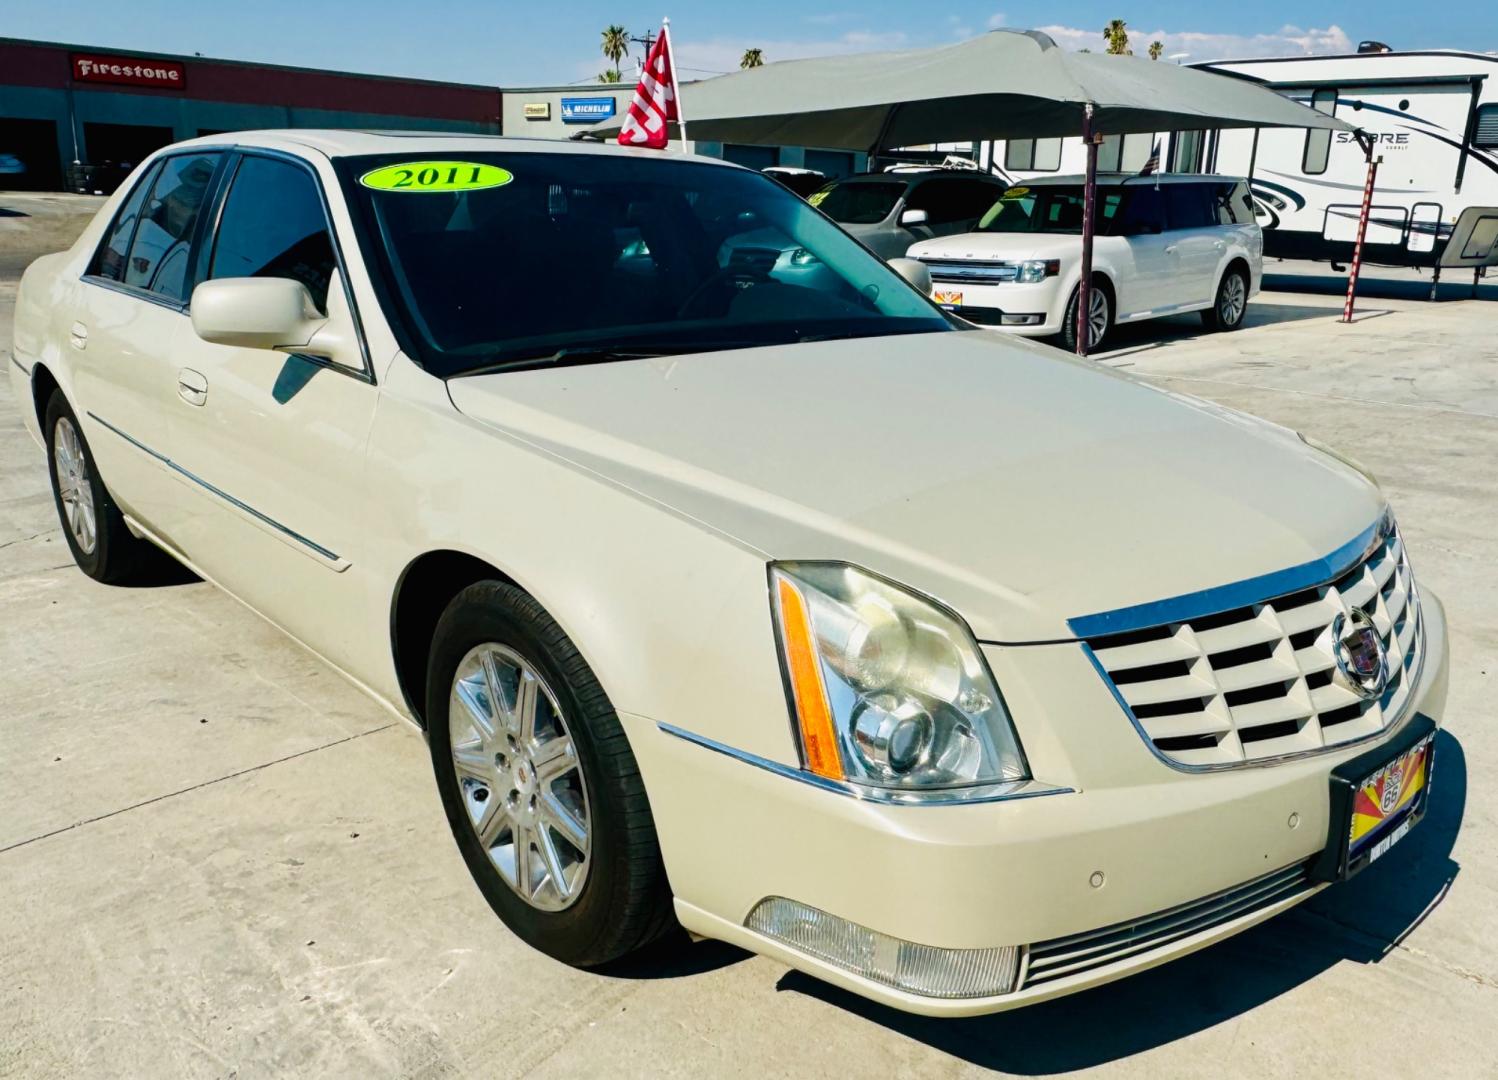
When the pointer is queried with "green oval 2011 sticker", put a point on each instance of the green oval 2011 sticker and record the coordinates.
(436, 176)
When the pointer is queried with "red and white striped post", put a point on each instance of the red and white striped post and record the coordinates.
(1357, 250)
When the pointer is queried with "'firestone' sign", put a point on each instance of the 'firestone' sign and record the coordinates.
(129, 71)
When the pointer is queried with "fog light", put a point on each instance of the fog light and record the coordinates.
(1020, 320)
(904, 965)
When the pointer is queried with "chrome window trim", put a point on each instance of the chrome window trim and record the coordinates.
(1028, 789)
(327, 558)
(227, 187)
(1235, 594)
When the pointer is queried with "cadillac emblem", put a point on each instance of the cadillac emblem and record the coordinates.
(1360, 653)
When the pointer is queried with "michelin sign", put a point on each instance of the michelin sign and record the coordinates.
(586, 110)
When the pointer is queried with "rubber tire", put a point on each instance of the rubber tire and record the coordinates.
(1069, 323)
(118, 556)
(1210, 318)
(625, 903)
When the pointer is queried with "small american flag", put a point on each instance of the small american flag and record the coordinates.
(655, 101)
(1153, 164)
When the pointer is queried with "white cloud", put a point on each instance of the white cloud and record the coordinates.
(698, 58)
(1287, 41)
(997, 19)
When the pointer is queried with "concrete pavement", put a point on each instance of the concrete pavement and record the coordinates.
(219, 859)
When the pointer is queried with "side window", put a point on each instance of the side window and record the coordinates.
(1485, 132)
(1232, 204)
(161, 252)
(1035, 155)
(273, 225)
(1143, 211)
(1188, 206)
(1319, 140)
(948, 199)
(1110, 153)
(109, 260)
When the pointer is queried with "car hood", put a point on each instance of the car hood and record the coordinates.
(1010, 247)
(1019, 485)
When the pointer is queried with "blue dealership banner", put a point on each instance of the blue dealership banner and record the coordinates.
(586, 110)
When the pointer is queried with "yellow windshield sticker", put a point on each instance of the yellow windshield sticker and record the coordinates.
(1016, 193)
(436, 176)
(816, 198)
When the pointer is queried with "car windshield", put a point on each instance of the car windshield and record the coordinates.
(859, 202)
(515, 259)
(1051, 208)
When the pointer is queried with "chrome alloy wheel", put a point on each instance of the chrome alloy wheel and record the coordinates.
(1233, 300)
(1097, 315)
(519, 777)
(73, 486)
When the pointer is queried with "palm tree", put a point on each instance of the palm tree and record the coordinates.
(1118, 38)
(615, 47)
(752, 58)
(610, 76)
(1156, 48)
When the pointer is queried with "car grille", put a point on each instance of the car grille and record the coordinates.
(1077, 954)
(1260, 682)
(970, 273)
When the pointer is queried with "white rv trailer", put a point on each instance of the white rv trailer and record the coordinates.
(1433, 115)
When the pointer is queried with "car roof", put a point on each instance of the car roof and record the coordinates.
(1108, 179)
(338, 142)
(911, 175)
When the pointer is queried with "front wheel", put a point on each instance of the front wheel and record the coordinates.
(538, 782)
(1231, 304)
(1100, 319)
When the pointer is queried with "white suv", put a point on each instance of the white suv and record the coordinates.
(1165, 244)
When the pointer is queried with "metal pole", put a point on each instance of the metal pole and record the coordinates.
(1357, 250)
(1089, 200)
(681, 116)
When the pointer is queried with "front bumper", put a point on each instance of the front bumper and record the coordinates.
(1126, 838)
(986, 304)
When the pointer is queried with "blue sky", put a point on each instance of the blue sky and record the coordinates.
(527, 44)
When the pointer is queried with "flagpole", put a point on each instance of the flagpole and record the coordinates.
(681, 115)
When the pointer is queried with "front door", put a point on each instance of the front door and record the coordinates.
(273, 445)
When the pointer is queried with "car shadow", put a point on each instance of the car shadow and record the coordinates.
(6, 211)
(161, 571)
(1358, 921)
(675, 956)
(1139, 337)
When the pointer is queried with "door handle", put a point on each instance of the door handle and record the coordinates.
(192, 387)
(78, 335)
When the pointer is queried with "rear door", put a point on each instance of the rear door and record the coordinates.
(1194, 244)
(273, 444)
(131, 309)
(1141, 223)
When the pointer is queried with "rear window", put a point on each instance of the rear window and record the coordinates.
(867, 202)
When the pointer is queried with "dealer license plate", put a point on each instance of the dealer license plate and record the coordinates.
(1376, 799)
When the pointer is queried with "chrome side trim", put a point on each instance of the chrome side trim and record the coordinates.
(1237, 594)
(1029, 789)
(340, 563)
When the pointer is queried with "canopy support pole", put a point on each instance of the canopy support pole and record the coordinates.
(1357, 249)
(1089, 204)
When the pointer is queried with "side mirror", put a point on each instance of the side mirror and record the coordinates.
(913, 217)
(255, 313)
(276, 313)
(913, 271)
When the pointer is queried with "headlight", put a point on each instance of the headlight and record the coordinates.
(888, 690)
(1033, 270)
(1350, 462)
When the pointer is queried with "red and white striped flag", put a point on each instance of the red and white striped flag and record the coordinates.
(655, 101)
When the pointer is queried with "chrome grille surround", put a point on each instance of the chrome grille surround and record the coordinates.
(1248, 674)
(970, 272)
(1077, 954)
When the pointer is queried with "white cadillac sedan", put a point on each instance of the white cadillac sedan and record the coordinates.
(942, 666)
